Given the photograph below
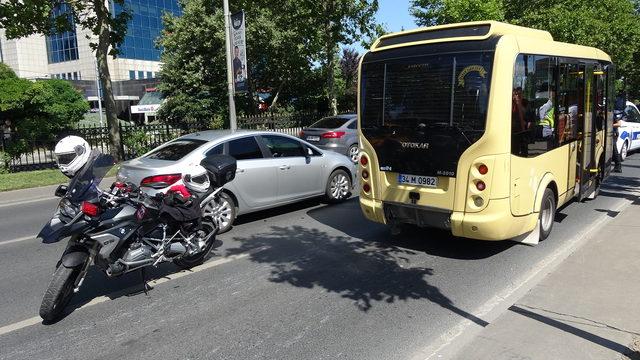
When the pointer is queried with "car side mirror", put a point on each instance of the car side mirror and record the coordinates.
(61, 191)
(309, 152)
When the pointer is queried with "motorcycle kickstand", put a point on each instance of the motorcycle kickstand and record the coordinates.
(145, 286)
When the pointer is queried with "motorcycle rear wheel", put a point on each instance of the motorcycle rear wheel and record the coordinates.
(189, 261)
(59, 292)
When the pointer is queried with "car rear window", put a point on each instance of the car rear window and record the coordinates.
(175, 150)
(329, 123)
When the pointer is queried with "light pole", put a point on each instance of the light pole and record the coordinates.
(98, 91)
(230, 88)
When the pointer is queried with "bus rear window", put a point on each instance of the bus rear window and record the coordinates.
(439, 89)
(175, 150)
(421, 113)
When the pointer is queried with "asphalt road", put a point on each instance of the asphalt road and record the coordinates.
(309, 281)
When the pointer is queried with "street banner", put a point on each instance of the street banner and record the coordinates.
(239, 51)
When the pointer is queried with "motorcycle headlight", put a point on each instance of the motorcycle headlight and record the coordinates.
(67, 209)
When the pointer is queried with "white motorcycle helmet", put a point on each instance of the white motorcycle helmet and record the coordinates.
(72, 153)
(196, 179)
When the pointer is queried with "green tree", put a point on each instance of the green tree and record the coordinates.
(349, 77)
(37, 110)
(6, 72)
(193, 77)
(22, 18)
(437, 12)
(338, 22)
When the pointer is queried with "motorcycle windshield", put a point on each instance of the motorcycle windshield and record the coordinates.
(83, 186)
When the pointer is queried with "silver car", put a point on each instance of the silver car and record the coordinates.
(336, 133)
(273, 169)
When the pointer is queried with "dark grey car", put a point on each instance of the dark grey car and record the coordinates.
(336, 133)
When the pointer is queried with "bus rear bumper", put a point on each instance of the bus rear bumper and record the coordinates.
(372, 210)
(495, 222)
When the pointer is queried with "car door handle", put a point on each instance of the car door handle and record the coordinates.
(238, 171)
(285, 167)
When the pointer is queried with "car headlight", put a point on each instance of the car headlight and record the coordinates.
(67, 209)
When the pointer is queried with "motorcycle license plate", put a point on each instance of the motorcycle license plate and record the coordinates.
(426, 181)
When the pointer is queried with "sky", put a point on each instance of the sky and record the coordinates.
(394, 14)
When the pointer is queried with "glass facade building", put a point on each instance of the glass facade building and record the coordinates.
(145, 27)
(62, 46)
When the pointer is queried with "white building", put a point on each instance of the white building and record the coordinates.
(68, 55)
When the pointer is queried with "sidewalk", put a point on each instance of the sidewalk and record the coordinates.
(587, 308)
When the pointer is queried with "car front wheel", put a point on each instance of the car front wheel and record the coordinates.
(338, 187)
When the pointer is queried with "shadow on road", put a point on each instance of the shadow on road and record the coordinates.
(611, 345)
(365, 272)
(348, 218)
(97, 284)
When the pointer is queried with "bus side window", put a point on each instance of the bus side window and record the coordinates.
(535, 76)
(570, 102)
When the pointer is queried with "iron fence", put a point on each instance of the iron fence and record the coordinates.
(136, 139)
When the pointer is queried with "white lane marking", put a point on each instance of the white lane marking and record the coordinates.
(512, 293)
(100, 299)
(17, 240)
(25, 201)
(19, 325)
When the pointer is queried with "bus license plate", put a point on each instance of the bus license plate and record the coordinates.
(428, 181)
(313, 138)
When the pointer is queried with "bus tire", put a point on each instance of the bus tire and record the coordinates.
(547, 213)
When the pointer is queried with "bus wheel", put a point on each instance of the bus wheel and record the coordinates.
(547, 213)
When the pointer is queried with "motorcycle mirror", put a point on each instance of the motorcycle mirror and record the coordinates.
(61, 191)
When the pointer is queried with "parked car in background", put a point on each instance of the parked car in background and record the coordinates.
(629, 132)
(273, 169)
(336, 133)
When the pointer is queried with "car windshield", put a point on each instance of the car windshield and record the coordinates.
(330, 123)
(175, 150)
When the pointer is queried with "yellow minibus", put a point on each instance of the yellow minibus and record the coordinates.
(481, 128)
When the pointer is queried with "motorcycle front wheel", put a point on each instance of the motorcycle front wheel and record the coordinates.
(189, 261)
(58, 293)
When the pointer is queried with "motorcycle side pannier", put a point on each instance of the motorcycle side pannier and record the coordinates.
(221, 168)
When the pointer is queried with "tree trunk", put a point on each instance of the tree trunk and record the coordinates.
(102, 53)
(274, 103)
(330, 52)
(331, 81)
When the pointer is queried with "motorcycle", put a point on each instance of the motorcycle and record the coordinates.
(123, 229)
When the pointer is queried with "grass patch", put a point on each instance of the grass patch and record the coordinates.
(30, 179)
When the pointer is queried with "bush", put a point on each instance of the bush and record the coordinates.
(137, 143)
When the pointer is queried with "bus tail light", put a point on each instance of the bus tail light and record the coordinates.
(483, 169)
(478, 201)
(480, 185)
(365, 174)
(364, 160)
(366, 188)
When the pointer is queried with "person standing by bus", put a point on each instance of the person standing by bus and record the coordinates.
(617, 122)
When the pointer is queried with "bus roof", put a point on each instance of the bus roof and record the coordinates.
(477, 30)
